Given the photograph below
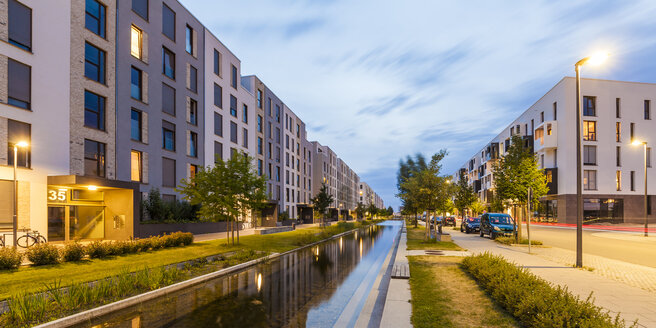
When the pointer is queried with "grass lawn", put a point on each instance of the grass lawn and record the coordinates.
(444, 296)
(416, 240)
(29, 279)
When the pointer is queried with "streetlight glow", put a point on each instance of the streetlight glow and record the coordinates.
(597, 58)
(637, 142)
(22, 144)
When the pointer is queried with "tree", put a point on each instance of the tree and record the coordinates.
(322, 200)
(372, 210)
(515, 173)
(390, 211)
(226, 190)
(464, 195)
(359, 210)
(477, 208)
(407, 169)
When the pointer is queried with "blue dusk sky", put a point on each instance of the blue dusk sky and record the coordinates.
(377, 80)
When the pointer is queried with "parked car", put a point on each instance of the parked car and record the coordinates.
(470, 225)
(450, 221)
(497, 224)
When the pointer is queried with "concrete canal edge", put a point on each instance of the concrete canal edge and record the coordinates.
(88, 315)
(398, 309)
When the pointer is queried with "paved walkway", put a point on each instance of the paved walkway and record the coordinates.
(398, 308)
(616, 296)
(243, 232)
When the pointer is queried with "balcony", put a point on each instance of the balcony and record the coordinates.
(546, 136)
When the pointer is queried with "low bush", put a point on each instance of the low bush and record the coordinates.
(532, 300)
(43, 254)
(97, 250)
(10, 258)
(511, 240)
(73, 252)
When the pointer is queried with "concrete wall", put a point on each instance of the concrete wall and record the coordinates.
(144, 230)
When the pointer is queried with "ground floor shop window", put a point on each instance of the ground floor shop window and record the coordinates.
(597, 210)
(547, 211)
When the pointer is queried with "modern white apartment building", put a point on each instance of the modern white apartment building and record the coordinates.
(615, 113)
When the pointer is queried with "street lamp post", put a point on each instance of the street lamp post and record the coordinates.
(595, 60)
(21, 144)
(644, 145)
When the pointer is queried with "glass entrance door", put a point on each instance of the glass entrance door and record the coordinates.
(56, 223)
(87, 222)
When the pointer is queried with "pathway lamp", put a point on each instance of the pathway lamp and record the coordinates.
(644, 146)
(20, 144)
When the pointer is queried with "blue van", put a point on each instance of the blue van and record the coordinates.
(497, 224)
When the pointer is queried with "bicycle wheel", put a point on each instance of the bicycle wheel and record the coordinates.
(25, 241)
(41, 239)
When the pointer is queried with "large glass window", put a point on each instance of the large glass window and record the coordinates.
(218, 151)
(259, 123)
(260, 146)
(244, 138)
(233, 106)
(590, 179)
(233, 77)
(193, 144)
(168, 22)
(189, 38)
(136, 37)
(218, 124)
(244, 114)
(168, 136)
(95, 17)
(19, 84)
(217, 62)
(141, 8)
(19, 132)
(135, 125)
(259, 98)
(168, 63)
(94, 110)
(168, 99)
(589, 106)
(590, 130)
(589, 155)
(233, 132)
(135, 84)
(94, 158)
(618, 180)
(20, 25)
(87, 222)
(94, 63)
(135, 165)
(193, 112)
(603, 210)
(218, 96)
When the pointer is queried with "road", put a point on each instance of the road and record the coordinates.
(622, 246)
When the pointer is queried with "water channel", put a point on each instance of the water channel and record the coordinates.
(319, 286)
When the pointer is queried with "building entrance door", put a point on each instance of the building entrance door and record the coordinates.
(56, 223)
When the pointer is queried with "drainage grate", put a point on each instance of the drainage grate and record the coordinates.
(401, 271)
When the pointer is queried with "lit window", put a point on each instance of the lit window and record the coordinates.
(135, 42)
(135, 167)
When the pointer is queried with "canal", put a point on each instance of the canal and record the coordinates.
(319, 286)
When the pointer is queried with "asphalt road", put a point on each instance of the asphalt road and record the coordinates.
(623, 246)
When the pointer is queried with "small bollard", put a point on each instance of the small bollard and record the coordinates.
(294, 226)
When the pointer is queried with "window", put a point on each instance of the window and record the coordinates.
(233, 132)
(218, 96)
(141, 8)
(648, 156)
(136, 36)
(168, 136)
(618, 180)
(218, 124)
(168, 22)
(193, 112)
(260, 146)
(617, 107)
(589, 108)
(218, 151)
(193, 79)
(193, 168)
(647, 110)
(589, 155)
(136, 83)
(135, 165)
(590, 130)
(233, 152)
(168, 172)
(632, 180)
(259, 98)
(286, 141)
(168, 99)
(233, 106)
(233, 76)
(19, 84)
(20, 25)
(259, 123)
(618, 131)
(278, 113)
(541, 117)
(193, 144)
(270, 151)
(260, 167)
(244, 138)
(269, 107)
(17, 132)
(277, 173)
(94, 63)
(632, 131)
(278, 135)
(618, 156)
(168, 63)
(298, 132)
(94, 158)
(217, 62)
(555, 111)
(95, 17)
(94, 110)
(590, 180)
(244, 114)
(189, 44)
(135, 125)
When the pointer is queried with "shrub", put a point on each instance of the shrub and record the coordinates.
(511, 240)
(144, 245)
(532, 300)
(156, 242)
(10, 258)
(73, 252)
(159, 210)
(114, 248)
(181, 238)
(43, 254)
(97, 250)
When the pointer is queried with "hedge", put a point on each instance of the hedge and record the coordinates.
(532, 300)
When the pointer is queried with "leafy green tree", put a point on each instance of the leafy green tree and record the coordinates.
(464, 195)
(407, 169)
(390, 211)
(359, 210)
(226, 191)
(322, 200)
(372, 210)
(515, 173)
(477, 208)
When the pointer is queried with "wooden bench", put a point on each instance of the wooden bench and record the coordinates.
(267, 231)
(401, 271)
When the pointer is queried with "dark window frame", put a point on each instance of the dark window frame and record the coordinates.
(100, 20)
(100, 156)
(171, 56)
(193, 112)
(218, 96)
(189, 39)
(589, 106)
(218, 124)
(168, 128)
(24, 153)
(99, 111)
(139, 124)
(100, 66)
(139, 84)
(11, 26)
(193, 144)
(233, 105)
(590, 134)
(234, 79)
(137, 11)
(193, 79)
(17, 100)
(164, 27)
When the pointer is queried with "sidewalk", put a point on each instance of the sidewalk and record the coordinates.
(629, 227)
(243, 232)
(398, 308)
(630, 301)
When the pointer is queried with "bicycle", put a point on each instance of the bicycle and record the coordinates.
(30, 239)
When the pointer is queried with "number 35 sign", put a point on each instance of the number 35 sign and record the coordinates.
(57, 195)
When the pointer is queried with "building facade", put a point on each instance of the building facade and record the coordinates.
(615, 113)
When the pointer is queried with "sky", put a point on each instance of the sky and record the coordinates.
(377, 80)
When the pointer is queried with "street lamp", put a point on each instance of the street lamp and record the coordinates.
(21, 144)
(596, 59)
(644, 144)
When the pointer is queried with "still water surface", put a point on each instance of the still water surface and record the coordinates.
(320, 286)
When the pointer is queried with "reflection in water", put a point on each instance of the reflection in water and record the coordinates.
(308, 287)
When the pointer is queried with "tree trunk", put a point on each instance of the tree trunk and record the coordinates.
(427, 227)
(238, 231)
(416, 219)
(232, 230)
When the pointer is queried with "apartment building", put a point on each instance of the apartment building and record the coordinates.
(297, 195)
(368, 196)
(615, 113)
